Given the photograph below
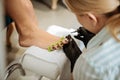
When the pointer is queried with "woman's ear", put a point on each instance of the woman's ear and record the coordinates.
(92, 18)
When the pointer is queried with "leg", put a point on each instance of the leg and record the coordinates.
(10, 29)
(22, 12)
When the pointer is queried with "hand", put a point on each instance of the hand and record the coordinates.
(72, 51)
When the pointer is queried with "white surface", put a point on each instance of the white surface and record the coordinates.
(44, 63)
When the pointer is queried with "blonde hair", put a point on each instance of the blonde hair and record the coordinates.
(111, 8)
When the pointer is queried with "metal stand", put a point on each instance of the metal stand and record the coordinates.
(12, 68)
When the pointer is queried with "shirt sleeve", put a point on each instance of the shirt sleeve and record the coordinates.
(84, 70)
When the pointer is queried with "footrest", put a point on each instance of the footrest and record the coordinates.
(44, 63)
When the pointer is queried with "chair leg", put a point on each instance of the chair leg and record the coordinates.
(54, 4)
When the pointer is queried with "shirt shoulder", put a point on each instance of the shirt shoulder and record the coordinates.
(101, 62)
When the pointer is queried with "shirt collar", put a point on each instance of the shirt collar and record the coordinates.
(99, 38)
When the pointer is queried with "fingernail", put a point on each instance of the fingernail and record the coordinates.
(66, 40)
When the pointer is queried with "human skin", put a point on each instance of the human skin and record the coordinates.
(91, 21)
(22, 12)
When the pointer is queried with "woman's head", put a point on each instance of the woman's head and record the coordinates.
(97, 6)
(98, 13)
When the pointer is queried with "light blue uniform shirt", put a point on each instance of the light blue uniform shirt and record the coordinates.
(101, 59)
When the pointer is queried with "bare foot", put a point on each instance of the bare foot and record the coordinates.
(38, 38)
